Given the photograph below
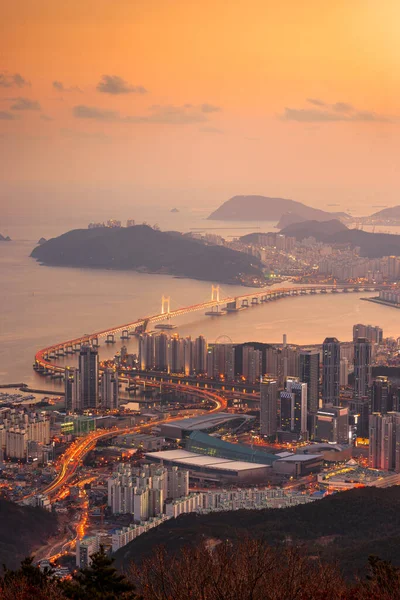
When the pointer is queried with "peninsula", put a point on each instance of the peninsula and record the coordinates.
(144, 249)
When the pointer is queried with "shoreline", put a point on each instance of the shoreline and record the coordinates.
(377, 300)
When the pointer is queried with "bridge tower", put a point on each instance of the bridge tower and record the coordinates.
(165, 305)
(215, 293)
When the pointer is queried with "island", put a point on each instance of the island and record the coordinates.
(147, 250)
(5, 238)
(262, 208)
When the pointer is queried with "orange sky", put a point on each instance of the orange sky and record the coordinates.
(297, 97)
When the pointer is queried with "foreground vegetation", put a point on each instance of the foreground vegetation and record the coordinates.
(248, 570)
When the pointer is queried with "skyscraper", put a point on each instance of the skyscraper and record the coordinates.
(221, 361)
(331, 371)
(109, 389)
(373, 333)
(362, 367)
(72, 389)
(163, 352)
(381, 395)
(88, 378)
(200, 355)
(146, 352)
(268, 405)
(252, 364)
(299, 391)
(309, 374)
(384, 441)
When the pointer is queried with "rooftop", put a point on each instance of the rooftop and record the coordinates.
(199, 460)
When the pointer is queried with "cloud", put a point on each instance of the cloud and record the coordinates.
(171, 115)
(342, 107)
(328, 113)
(46, 118)
(92, 112)
(6, 116)
(60, 87)
(8, 80)
(316, 102)
(113, 84)
(24, 104)
(160, 114)
(209, 108)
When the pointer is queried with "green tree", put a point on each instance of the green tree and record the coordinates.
(99, 581)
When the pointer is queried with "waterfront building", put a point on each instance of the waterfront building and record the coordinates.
(268, 405)
(331, 371)
(362, 367)
(373, 333)
(221, 361)
(71, 389)
(109, 389)
(162, 352)
(88, 378)
(146, 352)
(251, 364)
(309, 374)
(200, 355)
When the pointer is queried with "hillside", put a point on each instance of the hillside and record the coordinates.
(144, 249)
(262, 208)
(323, 228)
(22, 529)
(393, 212)
(345, 527)
(372, 245)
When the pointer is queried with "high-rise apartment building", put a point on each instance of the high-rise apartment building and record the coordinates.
(344, 372)
(221, 361)
(200, 355)
(268, 405)
(331, 371)
(373, 333)
(381, 395)
(109, 389)
(251, 364)
(88, 378)
(162, 352)
(71, 389)
(384, 441)
(362, 367)
(309, 374)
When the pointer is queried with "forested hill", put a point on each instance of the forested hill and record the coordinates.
(145, 249)
(346, 527)
(22, 528)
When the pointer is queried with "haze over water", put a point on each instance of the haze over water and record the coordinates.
(42, 305)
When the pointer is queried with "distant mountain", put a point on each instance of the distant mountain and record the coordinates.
(346, 527)
(4, 239)
(387, 213)
(372, 245)
(262, 208)
(144, 249)
(22, 529)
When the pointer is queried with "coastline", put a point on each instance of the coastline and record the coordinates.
(377, 300)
